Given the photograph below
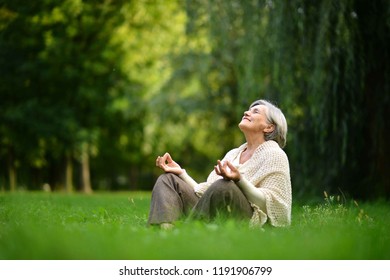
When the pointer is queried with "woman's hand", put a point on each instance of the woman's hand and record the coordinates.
(167, 164)
(227, 170)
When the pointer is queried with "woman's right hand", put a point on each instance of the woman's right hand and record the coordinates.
(167, 164)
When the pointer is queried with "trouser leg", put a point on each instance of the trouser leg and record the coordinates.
(222, 198)
(171, 199)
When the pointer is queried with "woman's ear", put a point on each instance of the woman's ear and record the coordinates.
(269, 128)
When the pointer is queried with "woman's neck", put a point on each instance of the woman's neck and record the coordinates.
(253, 142)
(252, 145)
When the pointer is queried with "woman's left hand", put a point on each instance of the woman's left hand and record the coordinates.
(227, 170)
(167, 164)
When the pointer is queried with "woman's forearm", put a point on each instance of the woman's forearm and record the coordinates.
(188, 179)
(253, 194)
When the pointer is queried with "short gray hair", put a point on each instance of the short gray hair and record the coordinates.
(276, 117)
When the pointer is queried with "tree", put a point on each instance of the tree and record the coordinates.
(342, 77)
(62, 64)
(75, 77)
(324, 64)
(92, 83)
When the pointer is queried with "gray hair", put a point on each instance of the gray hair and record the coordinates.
(276, 117)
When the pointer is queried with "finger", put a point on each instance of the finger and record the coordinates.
(158, 161)
(217, 167)
(221, 166)
(164, 157)
(168, 157)
(231, 166)
(222, 169)
(217, 170)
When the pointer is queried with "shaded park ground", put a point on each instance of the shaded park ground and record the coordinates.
(103, 226)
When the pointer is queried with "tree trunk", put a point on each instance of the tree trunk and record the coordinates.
(85, 174)
(69, 173)
(11, 170)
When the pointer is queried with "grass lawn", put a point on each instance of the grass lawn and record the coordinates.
(106, 226)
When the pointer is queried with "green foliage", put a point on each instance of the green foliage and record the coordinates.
(119, 82)
(313, 59)
(113, 226)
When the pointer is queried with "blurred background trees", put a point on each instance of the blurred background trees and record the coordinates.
(92, 91)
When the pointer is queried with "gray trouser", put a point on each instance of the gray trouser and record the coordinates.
(173, 198)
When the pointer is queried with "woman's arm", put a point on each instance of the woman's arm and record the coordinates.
(188, 179)
(252, 193)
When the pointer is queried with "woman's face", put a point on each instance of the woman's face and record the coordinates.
(255, 120)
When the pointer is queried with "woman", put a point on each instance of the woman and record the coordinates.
(252, 181)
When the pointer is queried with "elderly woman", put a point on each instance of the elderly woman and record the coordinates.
(251, 181)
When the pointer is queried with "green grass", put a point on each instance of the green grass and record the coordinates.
(107, 226)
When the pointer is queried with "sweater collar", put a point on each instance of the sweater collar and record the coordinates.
(266, 144)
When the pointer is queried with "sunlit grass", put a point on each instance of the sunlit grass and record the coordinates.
(113, 226)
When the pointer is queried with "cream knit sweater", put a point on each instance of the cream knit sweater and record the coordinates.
(265, 180)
